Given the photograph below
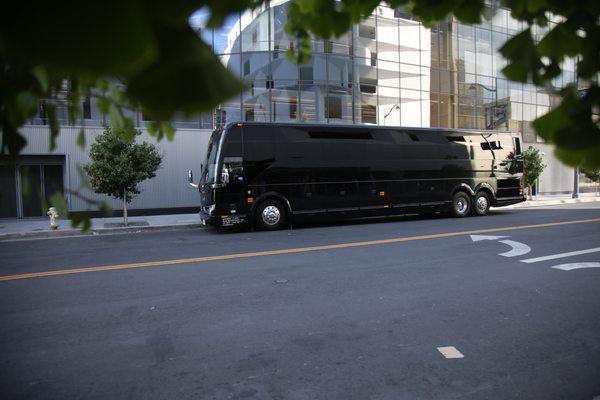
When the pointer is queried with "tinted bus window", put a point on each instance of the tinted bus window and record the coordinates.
(259, 153)
(259, 143)
(298, 156)
(343, 154)
(233, 143)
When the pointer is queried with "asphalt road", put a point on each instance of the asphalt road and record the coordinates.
(338, 311)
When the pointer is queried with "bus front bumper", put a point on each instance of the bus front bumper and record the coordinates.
(224, 220)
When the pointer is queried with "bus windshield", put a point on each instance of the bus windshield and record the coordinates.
(210, 168)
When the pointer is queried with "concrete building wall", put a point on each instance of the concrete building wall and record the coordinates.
(556, 178)
(169, 189)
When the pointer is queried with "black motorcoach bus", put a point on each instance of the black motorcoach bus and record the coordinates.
(273, 174)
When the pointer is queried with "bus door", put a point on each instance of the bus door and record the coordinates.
(232, 195)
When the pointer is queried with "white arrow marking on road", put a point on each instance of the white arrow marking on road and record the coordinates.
(518, 249)
(569, 267)
(478, 238)
(561, 255)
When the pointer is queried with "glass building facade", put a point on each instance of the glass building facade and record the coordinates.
(388, 70)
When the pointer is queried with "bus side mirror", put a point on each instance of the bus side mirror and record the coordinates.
(191, 178)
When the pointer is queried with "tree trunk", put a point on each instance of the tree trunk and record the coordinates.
(124, 207)
(530, 192)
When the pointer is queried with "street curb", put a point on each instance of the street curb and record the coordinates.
(94, 232)
(538, 203)
(157, 228)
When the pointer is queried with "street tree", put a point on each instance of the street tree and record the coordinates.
(119, 164)
(533, 166)
(593, 175)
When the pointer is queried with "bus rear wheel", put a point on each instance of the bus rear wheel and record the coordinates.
(461, 204)
(481, 204)
(270, 215)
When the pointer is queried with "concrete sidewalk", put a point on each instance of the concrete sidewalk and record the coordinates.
(40, 227)
(557, 199)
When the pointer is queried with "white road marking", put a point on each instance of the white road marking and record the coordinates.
(450, 352)
(518, 249)
(478, 238)
(560, 255)
(569, 267)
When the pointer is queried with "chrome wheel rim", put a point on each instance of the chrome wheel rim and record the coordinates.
(271, 215)
(461, 205)
(482, 203)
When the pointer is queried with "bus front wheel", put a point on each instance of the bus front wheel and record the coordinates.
(270, 215)
(461, 204)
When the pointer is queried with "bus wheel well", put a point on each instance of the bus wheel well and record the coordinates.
(487, 190)
(462, 188)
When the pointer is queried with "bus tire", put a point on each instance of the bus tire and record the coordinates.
(481, 204)
(461, 204)
(270, 215)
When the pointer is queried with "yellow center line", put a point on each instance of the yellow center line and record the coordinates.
(285, 251)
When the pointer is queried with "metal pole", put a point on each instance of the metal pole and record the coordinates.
(576, 170)
(575, 183)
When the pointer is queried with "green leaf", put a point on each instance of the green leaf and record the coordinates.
(524, 58)
(12, 141)
(53, 123)
(103, 105)
(25, 107)
(169, 130)
(58, 201)
(550, 123)
(83, 177)
(81, 139)
(561, 41)
(189, 91)
(516, 72)
(115, 114)
(96, 37)
(81, 218)
(41, 75)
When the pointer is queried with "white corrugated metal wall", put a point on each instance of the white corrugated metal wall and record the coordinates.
(169, 189)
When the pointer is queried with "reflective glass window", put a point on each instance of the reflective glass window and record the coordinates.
(255, 29)
(227, 38)
(284, 105)
(410, 107)
(387, 34)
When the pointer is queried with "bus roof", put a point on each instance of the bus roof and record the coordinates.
(358, 127)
